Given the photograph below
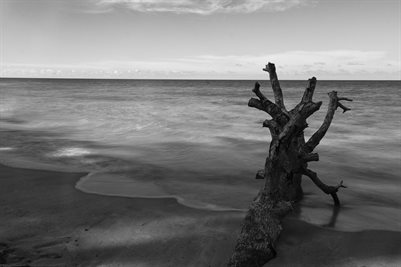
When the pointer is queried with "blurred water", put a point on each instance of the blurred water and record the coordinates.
(199, 142)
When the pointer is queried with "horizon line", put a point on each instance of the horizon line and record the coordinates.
(187, 79)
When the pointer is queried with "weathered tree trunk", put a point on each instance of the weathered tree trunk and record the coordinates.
(288, 159)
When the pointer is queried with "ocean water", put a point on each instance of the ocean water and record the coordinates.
(199, 142)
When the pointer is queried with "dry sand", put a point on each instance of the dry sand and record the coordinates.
(45, 221)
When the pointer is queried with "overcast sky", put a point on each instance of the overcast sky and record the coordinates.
(221, 39)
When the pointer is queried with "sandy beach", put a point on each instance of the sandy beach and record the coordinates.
(47, 222)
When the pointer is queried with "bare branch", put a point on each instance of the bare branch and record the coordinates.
(319, 134)
(278, 94)
(308, 94)
(330, 190)
(344, 108)
(266, 106)
(344, 98)
(258, 93)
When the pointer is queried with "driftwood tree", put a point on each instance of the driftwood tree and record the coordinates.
(287, 162)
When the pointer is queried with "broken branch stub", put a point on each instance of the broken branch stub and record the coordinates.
(278, 94)
(308, 94)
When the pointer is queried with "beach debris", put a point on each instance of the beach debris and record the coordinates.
(287, 162)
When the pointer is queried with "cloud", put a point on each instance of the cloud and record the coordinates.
(202, 7)
(333, 64)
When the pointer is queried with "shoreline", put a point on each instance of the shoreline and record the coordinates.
(47, 221)
(349, 218)
(81, 185)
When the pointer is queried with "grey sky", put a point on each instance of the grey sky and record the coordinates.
(200, 39)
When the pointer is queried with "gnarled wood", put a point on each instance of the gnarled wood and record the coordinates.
(260, 231)
(288, 159)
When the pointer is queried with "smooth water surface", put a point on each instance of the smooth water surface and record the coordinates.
(199, 142)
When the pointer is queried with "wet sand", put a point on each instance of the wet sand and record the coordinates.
(46, 221)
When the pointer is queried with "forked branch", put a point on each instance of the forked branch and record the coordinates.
(332, 190)
(265, 104)
(344, 108)
(307, 99)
